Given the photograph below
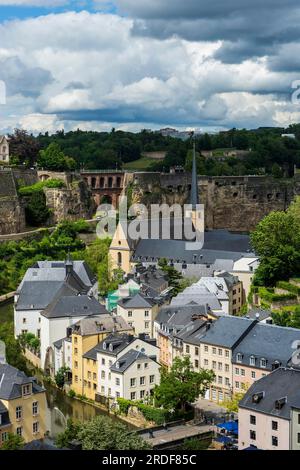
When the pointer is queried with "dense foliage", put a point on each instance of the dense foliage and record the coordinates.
(265, 150)
(14, 351)
(276, 241)
(13, 442)
(101, 433)
(157, 415)
(181, 385)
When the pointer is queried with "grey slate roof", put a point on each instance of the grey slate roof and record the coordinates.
(3, 408)
(227, 330)
(278, 384)
(37, 295)
(118, 342)
(11, 381)
(99, 323)
(73, 306)
(58, 344)
(173, 319)
(218, 244)
(124, 362)
(263, 314)
(137, 301)
(192, 329)
(269, 342)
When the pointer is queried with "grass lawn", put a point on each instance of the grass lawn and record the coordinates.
(141, 164)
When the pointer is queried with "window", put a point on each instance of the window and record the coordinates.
(252, 419)
(275, 425)
(24, 320)
(19, 412)
(142, 393)
(142, 380)
(239, 357)
(213, 394)
(76, 365)
(109, 376)
(102, 374)
(196, 351)
(206, 349)
(110, 363)
(35, 427)
(139, 366)
(220, 352)
(243, 372)
(237, 371)
(132, 382)
(89, 375)
(129, 314)
(237, 384)
(214, 365)
(109, 392)
(196, 364)
(76, 378)
(132, 396)
(117, 381)
(227, 383)
(253, 435)
(214, 350)
(103, 361)
(146, 365)
(94, 376)
(206, 362)
(299, 418)
(147, 323)
(275, 441)
(263, 363)
(35, 408)
(226, 367)
(75, 340)
(75, 351)
(19, 431)
(187, 349)
(220, 380)
(146, 313)
(152, 379)
(226, 353)
(4, 436)
(220, 366)
(94, 386)
(119, 258)
(253, 375)
(298, 438)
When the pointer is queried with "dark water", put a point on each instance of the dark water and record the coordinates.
(60, 408)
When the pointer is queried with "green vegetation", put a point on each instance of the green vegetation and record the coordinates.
(38, 187)
(54, 159)
(196, 444)
(276, 240)
(232, 404)
(60, 377)
(287, 317)
(14, 349)
(157, 415)
(13, 442)
(270, 153)
(269, 295)
(101, 433)
(175, 278)
(181, 386)
(29, 340)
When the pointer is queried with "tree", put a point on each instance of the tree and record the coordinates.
(13, 442)
(181, 386)
(175, 278)
(24, 147)
(101, 433)
(276, 240)
(232, 404)
(36, 210)
(60, 376)
(54, 159)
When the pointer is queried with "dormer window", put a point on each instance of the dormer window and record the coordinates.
(26, 390)
(117, 365)
(257, 397)
(104, 345)
(280, 403)
(263, 363)
(252, 361)
(111, 347)
(239, 357)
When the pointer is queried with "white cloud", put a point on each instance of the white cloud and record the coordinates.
(87, 70)
(34, 3)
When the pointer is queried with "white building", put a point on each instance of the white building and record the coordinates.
(4, 149)
(126, 364)
(62, 353)
(139, 312)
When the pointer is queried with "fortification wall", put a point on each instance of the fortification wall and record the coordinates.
(234, 203)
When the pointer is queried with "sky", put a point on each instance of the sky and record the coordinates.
(133, 64)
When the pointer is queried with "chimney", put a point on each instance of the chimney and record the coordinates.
(69, 264)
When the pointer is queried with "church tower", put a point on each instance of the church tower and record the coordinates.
(197, 210)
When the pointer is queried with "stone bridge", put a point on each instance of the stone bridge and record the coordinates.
(106, 185)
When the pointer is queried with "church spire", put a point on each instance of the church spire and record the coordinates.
(194, 189)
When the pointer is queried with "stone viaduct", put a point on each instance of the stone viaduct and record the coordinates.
(106, 185)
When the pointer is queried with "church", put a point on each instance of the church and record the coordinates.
(219, 251)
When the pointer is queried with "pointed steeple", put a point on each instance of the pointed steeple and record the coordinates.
(194, 189)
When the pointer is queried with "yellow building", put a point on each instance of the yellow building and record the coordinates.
(22, 405)
(86, 334)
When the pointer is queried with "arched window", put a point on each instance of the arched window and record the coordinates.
(119, 258)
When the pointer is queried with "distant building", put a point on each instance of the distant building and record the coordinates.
(22, 405)
(289, 136)
(4, 149)
(269, 413)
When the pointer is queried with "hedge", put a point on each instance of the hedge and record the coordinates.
(37, 187)
(288, 287)
(158, 415)
(269, 296)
